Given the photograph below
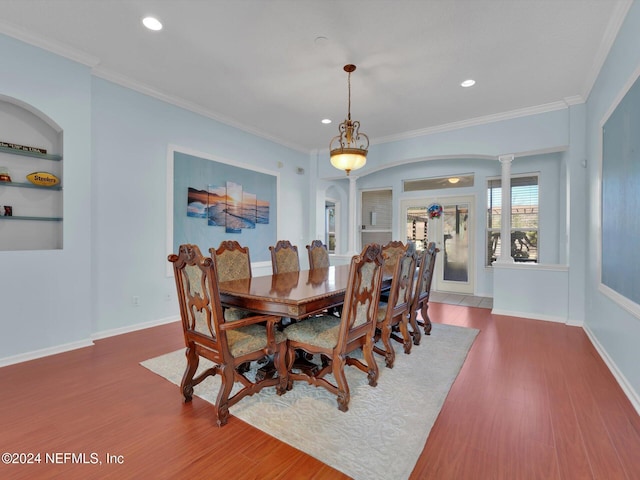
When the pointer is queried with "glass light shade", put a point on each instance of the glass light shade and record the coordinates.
(348, 159)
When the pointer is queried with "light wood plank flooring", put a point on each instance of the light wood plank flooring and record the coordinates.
(533, 401)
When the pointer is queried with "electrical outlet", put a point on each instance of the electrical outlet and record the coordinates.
(135, 300)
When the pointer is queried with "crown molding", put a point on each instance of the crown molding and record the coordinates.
(52, 46)
(472, 122)
(574, 100)
(190, 106)
(84, 58)
(611, 32)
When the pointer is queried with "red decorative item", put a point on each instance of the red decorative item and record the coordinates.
(434, 210)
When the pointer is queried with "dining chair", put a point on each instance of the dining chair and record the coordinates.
(332, 339)
(319, 259)
(284, 257)
(229, 345)
(420, 300)
(393, 315)
(318, 255)
(391, 252)
(232, 263)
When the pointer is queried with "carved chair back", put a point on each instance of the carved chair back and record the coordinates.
(284, 257)
(362, 296)
(318, 255)
(232, 261)
(391, 252)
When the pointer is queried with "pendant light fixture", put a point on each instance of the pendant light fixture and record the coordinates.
(348, 150)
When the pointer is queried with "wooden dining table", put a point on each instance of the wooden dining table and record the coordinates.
(293, 294)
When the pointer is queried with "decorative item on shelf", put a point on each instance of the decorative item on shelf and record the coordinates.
(4, 174)
(348, 150)
(434, 210)
(44, 179)
(7, 211)
(24, 148)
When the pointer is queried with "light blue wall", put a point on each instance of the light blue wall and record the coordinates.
(115, 147)
(615, 329)
(547, 131)
(131, 136)
(45, 296)
(552, 195)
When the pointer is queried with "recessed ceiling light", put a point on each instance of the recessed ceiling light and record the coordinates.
(326, 120)
(152, 23)
(453, 180)
(468, 83)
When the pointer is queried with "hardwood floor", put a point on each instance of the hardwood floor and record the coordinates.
(533, 401)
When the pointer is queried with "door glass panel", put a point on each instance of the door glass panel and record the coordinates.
(452, 233)
(455, 221)
(418, 227)
(330, 226)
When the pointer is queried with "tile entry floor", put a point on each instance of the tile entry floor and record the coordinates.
(461, 299)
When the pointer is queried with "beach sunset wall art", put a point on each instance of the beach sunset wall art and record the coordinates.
(216, 205)
(228, 207)
(216, 200)
(197, 201)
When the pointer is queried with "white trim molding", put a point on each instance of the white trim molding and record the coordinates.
(628, 390)
(133, 328)
(45, 352)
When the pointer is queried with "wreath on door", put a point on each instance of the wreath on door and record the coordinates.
(434, 210)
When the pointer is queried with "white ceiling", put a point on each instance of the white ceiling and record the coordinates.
(256, 64)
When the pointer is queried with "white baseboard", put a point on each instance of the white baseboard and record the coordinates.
(533, 316)
(133, 328)
(575, 323)
(45, 352)
(631, 394)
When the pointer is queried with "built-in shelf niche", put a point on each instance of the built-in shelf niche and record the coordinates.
(36, 221)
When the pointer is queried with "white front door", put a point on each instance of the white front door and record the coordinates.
(452, 231)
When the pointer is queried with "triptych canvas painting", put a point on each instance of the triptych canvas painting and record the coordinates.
(228, 206)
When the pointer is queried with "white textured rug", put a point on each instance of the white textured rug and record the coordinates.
(386, 427)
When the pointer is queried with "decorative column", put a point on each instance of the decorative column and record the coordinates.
(353, 216)
(505, 216)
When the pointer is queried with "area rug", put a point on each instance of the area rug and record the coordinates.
(386, 427)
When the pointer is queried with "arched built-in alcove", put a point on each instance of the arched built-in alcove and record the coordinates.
(31, 206)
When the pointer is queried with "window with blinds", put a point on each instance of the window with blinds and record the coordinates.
(524, 218)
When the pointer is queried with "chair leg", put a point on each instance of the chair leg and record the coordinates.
(388, 352)
(227, 377)
(415, 329)
(290, 357)
(406, 337)
(372, 365)
(186, 385)
(426, 319)
(338, 364)
(279, 361)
